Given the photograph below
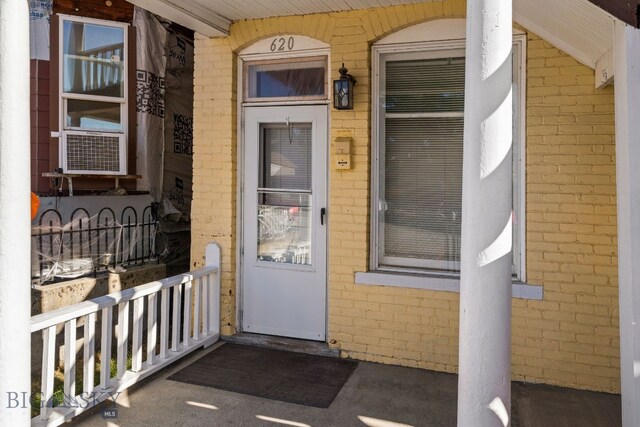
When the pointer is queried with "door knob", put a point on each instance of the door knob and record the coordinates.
(323, 212)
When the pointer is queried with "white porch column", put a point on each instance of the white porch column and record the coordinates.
(15, 224)
(484, 382)
(627, 98)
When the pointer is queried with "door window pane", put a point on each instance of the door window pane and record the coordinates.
(283, 79)
(93, 115)
(284, 228)
(285, 156)
(93, 59)
(284, 194)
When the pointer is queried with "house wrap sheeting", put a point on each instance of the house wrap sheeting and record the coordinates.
(39, 28)
(178, 123)
(150, 90)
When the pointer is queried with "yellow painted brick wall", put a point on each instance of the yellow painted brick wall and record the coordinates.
(213, 209)
(572, 336)
(569, 338)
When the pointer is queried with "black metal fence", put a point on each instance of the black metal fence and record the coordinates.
(88, 244)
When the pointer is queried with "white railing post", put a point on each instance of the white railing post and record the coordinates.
(204, 283)
(152, 328)
(105, 348)
(123, 339)
(213, 258)
(88, 371)
(187, 314)
(164, 323)
(196, 309)
(70, 358)
(136, 349)
(48, 368)
(175, 326)
(15, 269)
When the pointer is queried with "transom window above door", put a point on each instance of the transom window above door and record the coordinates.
(303, 78)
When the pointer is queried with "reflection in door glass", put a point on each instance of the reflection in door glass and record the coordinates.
(284, 228)
(284, 194)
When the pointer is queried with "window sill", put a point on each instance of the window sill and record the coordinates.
(438, 283)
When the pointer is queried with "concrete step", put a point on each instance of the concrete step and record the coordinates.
(281, 343)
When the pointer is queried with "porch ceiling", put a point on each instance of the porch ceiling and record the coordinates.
(219, 14)
(579, 27)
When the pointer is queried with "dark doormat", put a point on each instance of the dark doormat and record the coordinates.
(273, 374)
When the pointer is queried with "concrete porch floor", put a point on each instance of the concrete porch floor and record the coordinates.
(376, 396)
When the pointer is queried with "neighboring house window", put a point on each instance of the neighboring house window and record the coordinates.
(418, 142)
(93, 95)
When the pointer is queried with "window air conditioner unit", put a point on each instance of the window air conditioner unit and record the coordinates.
(93, 153)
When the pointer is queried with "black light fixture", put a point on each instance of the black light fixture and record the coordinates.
(343, 90)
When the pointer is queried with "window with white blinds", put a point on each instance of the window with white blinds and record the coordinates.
(419, 170)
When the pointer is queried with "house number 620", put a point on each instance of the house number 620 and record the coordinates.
(281, 44)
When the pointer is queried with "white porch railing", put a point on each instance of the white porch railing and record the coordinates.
(192, 322)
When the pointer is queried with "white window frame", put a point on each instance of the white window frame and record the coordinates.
(436, 49)
(64, 96)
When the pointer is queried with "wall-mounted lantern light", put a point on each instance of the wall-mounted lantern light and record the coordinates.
(343, 90)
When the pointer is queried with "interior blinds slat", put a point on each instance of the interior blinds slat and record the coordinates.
(423, 188)
(425, 85)
(286, 157)
(285, 161)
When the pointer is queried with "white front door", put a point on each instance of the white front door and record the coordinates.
(284, 221)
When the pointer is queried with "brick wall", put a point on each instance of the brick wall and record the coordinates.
(213, 210)
(569, 338)
(572, 336)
